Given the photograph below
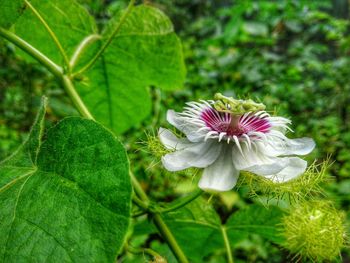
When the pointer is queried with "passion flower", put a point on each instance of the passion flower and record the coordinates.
(226, 135)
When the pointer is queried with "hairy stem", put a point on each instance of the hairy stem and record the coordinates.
(51, 33)
(109, 40)
(29, 49)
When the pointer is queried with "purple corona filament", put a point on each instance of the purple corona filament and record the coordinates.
(231, 125)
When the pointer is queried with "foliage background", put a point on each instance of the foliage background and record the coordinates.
(291, 55)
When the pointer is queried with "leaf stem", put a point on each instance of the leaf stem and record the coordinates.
(109, 40)
(148, 251)
(83, 44)
(29, 49)
(227, 245)
(51, 33)
(182, 202)
(169, 238)
(149, 207)
(160, 224)
(140, 203)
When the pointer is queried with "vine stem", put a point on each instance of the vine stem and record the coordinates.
(29, 49)
(72, 93)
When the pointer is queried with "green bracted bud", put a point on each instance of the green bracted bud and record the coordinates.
(314, 230)
(236, 107)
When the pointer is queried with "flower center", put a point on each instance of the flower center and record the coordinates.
(234, 125)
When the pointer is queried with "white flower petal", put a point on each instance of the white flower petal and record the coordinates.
(189, 129)
(301, 146)
(251, 156)
(198, 155)
(171, 141)
(295, 168)
(267, 169)
(221, 175)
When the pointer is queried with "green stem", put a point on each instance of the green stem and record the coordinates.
(29, 49)
(82, 46)
(227, 245)
(51, 33)
(140, 203)
(72, 93)
(139, 213)
(109, 40)
(156, 209)
(159, 223)
(169, 238)
(182, 202)
(148, 251)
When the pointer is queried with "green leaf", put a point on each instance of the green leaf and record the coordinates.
(196, 226)
(145, 52)
(68, 20)
(67, 198)
(10, 11)
(256, 219)
(198, 219)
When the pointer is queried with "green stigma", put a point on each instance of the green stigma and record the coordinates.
(314, 230)
(234, 106)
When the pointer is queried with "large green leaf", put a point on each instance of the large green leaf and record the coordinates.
(199, 231)
(144, 52)
(67, 198)
(67, 20)
(10, 10)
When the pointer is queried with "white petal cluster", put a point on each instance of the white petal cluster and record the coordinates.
(269, 154)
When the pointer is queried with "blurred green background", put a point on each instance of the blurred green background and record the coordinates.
(294, 56)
